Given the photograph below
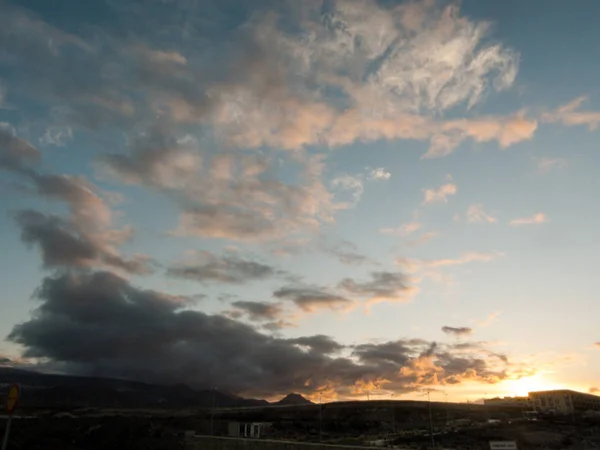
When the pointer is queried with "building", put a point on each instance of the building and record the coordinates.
(563, 401)
(248, 429)
(511, 402)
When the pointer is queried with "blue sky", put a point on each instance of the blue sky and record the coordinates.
(340, 197)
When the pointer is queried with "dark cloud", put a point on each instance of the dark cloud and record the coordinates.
(98, 323)
(64, 244)
(209, 267)
(15, 153)
(347, 253)
(383, 286)
(318, 343)
(311, 299)
(392, 353)
(457, 331)
(259, 311)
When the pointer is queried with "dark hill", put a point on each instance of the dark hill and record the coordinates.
(294, 399)
(48, 390)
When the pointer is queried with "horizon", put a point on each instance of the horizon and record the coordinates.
(339, 199)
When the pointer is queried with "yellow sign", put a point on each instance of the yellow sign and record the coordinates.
(12, 399)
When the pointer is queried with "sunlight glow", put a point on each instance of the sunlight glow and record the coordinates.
(522, 386)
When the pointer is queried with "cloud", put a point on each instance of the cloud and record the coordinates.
(347, 253)
(382, 287)
(65, 244)
(506, 130)
(476, 214)
(597, 344)
(85, 238)
(545, 165)
(491, 318)
(432, 269)
(594, 390)
(99, 324)
(353, 185)
(403, 230)
(318, 343)
(465, 258)
(87, 208)
(259, 311)
(208, 267)
(57, 136)
(378, 174)
(310, 299)
(305, 82)
(156, 158)
(425, 237)
(440, 194)
(570, 115)
(535, 219)
(227, 195)
(15, 153)
(457, 331)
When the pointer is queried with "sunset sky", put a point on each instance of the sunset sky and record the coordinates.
(324, 197)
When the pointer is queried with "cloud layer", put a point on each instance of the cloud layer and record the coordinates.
(98, 323)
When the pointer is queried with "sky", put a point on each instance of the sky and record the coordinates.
(337, 198)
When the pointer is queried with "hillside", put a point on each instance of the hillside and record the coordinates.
(293, 399)
(47, 390)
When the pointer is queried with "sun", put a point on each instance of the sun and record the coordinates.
(522, 386)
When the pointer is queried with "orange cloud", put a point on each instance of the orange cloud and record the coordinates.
(535, 219)
(440, 194)
(476, 214)
(569, 115)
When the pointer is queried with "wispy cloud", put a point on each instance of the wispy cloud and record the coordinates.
(440, 194)
(532, 220)
(570, 115)
(425, 237)
(491, 318)
(352, 185)
(465, 258)
(381, 287)
(378, 174)
(597, 344)
(311, 299)
(545, 165)
(476, 214)
(205, 267)
(403, 230)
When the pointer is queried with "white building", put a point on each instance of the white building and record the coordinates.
(563, 401)
(247, 429)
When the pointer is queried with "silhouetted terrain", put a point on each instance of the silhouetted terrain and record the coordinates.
(294, 399)
(46, 390)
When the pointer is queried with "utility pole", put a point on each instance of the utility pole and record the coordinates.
(320, 417)
(430, 421)
(212, 410)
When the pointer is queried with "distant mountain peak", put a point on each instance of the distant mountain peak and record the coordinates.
(294, 399)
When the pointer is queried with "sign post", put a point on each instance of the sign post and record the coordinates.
(12, 400)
